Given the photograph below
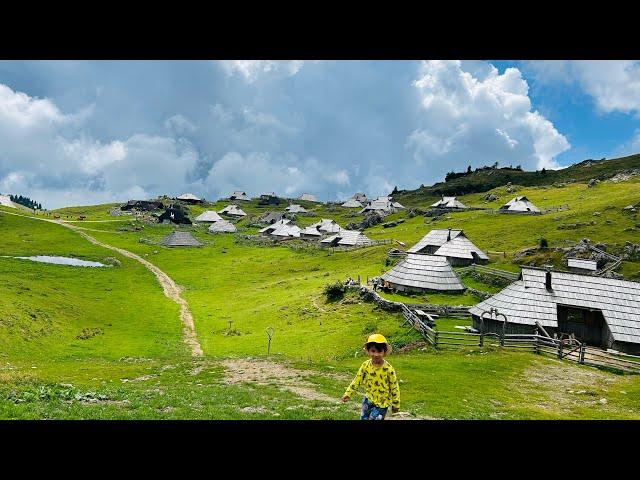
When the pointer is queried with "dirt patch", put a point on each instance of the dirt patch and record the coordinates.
(265, 372)
(564, 386)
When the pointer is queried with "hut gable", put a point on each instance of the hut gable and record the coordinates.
(360, 197)
(528, 300)
(435, 238)
(208, 217)
(420, 272)
(180, 239)
(189, 198)
(296, 209)
(449, 202)
(327, 225)
(270, 217)
(270, 228)
(460, 247)
(520, 204)
(352, 203)
(348, 238)
(239, 195)
(452, 244)
(223, 226)
(233, 210)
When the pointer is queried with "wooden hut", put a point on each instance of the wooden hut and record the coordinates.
(347, 238)
(239, 195)
(519, 205)
(174, 214)
(452, 244)
(308, 197)
(180, 239)
(602, 312)
(143, 205)
(296, 209)
(269, 198)
(270, 218)
(208, 217)
(423, 273)
(189, 198)
(233, 211)
(222, 226)
(352, 203)
(450, 203)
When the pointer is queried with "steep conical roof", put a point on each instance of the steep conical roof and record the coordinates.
(223, 226)
(352, 203)
(233, 210)
(296, 209)
(180, 239)
(208, 216)
(424, 272)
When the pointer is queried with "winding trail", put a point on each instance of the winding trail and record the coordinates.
(171, 289)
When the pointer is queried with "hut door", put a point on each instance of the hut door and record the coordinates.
(586, 325)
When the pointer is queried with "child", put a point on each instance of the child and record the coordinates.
(380, 381)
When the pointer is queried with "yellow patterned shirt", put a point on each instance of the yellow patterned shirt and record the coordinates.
(380, 383)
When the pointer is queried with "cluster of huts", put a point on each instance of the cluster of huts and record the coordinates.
(383, 205)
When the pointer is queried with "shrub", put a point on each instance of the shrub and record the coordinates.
(334, 291)
(544, 243)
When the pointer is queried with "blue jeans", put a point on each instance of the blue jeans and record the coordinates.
(371, 412)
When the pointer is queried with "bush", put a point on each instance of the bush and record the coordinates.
(544, 243)
(335, 291)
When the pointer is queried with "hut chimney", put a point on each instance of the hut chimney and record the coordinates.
(547, 280)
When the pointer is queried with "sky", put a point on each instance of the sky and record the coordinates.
(89, 132)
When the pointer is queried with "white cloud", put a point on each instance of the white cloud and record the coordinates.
(253, 70)
(47, 156)
(613, 84)
(179, 125)
(471, 120)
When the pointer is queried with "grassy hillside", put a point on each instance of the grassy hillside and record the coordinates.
(132, 363)
(485, 180)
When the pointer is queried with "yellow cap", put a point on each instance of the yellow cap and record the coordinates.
(377, 338)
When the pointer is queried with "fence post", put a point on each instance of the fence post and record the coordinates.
(536, 348)
(435, 340)
(481, 339)
(582, 353)
(559, 348)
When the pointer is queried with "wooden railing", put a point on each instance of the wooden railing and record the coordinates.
(490, 271)
(567, 349)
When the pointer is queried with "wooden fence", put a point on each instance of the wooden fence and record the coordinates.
(490, 271)
(568, 349)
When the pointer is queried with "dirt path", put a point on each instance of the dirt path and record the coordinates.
(171, 289)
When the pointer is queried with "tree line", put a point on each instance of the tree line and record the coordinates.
(25, 201)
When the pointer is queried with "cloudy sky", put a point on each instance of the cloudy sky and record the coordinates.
(74, 132)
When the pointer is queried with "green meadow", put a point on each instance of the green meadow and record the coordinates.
(106, 342)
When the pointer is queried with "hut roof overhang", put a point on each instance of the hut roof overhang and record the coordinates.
(180, 239)
(520, 204)
(449, 202)
(233, 210)
(223, 226)
(528, 300)
(208, 216)
(350, 238)
(424, 272)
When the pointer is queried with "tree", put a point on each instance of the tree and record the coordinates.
(395, 190)
(469, 169)
(543, 171)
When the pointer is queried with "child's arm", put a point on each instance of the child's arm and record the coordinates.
(352, 388)
(395, 391)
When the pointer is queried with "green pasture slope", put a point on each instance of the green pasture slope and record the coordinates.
(106, 343)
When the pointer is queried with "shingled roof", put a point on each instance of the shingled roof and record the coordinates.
(180, 239)
(188, 196)
(454, 244)
(527, 300)
(233, 210)
(352, 203)
(449, 202)
(223, 226)
(239, 195)
(424, 272)
(348, 238)
(520, 204)
(208, 217)
(296, 209)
